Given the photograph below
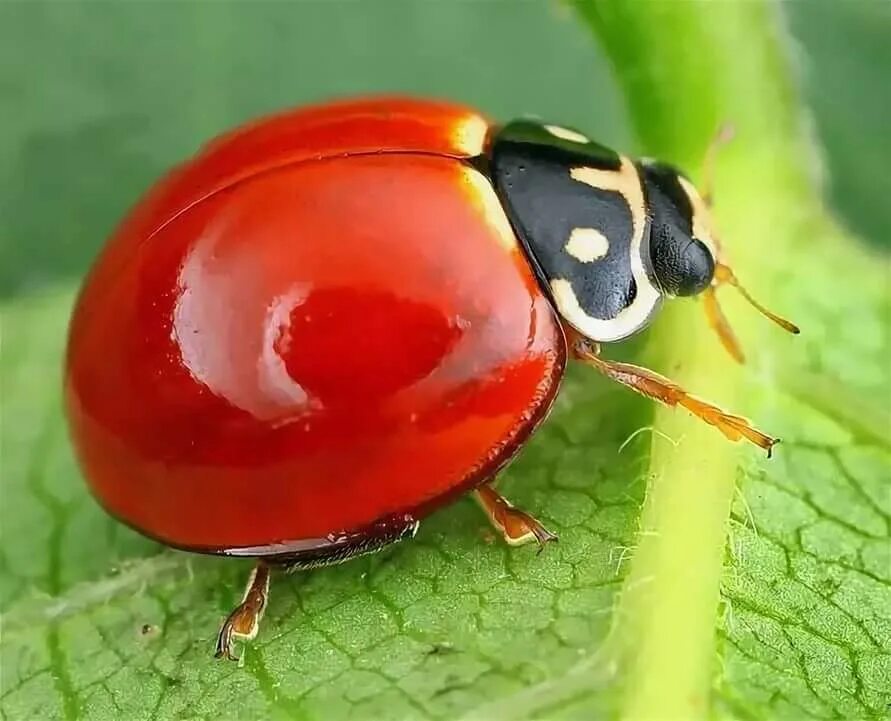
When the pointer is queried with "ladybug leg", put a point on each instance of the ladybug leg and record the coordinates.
(244, 621)
(516, 526)
(659, 388)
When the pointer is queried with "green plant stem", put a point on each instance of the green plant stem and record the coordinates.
(687, 68)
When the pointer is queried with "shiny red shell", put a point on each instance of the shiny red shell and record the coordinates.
(321, 320)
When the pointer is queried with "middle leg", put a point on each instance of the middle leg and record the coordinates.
(516, 526)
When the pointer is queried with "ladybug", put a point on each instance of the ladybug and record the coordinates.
(334, 320)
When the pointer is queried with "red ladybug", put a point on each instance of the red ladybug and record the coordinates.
(335, 320)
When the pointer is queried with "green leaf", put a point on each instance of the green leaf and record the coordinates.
(428, 628)
(657, 615)
(794, 639)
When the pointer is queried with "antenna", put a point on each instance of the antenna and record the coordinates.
(723, 273)
(716, 318)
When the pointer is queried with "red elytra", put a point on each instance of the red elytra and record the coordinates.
(323, 327)
(321, 321)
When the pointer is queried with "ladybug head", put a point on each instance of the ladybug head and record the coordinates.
(682, 252)
(683, 249)
(609, 238)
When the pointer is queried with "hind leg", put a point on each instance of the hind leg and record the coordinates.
(244, 622)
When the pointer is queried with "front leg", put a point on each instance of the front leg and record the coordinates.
(659, 388)
(516, 526)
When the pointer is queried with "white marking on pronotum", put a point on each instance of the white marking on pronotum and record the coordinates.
(483, 195)
(626, 182)
(702, 219)
(587, 244)
(558, 131)
(469, 134)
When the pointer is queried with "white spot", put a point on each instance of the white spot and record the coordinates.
(587, 244)
(572, 136)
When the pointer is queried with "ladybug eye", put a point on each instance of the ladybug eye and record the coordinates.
(682, 266)
(681, 262)
(699, 268)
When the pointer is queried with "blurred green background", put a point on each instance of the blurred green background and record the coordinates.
(99, 98)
